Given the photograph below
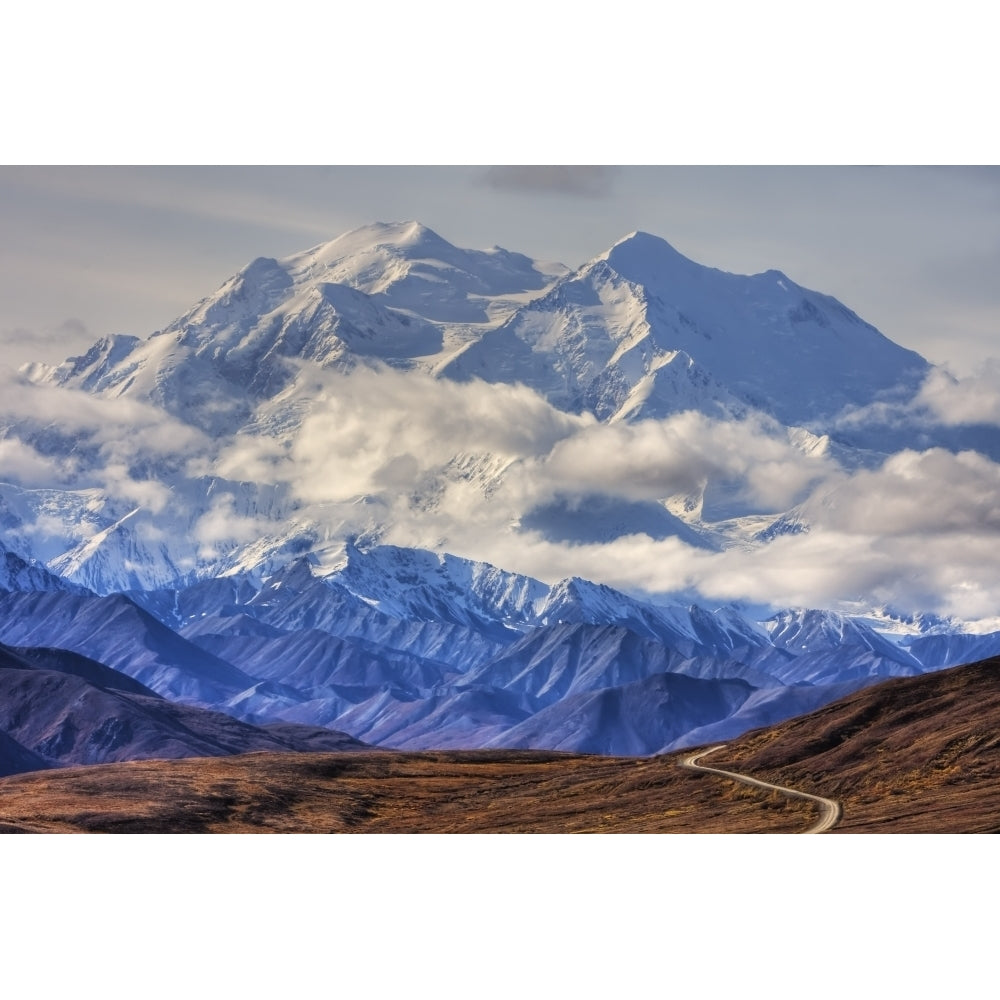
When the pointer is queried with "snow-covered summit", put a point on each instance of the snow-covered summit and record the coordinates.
(407, 266)
(646, 259)
(17, 574)
(396, 294)
(604, 338)
(639, 331)
(811, 630)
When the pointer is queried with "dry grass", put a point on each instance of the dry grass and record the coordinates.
(915, 755)
(474, 792)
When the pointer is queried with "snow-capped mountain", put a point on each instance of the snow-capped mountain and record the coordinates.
(643, 332)
(252, 377)
(297, 501)
(397, 293)
(17, 574)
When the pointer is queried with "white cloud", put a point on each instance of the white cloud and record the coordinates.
(220, 527)
(369, 433)
(910, 533)
(928, 493)
(146, 493)
(457, 466)
(655, 459)
(22, 464)
(944, 399)
(974, 399)
(945, 574)
(123, 429)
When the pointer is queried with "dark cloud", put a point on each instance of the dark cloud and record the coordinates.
(51, 345)
(582, 181)
(71, 331)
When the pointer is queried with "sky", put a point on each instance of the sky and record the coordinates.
(90, 251)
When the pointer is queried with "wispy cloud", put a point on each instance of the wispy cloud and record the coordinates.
(579, 181)
(943, 400)
(21, 345)
(22, 464)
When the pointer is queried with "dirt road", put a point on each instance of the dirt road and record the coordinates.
(829, 809)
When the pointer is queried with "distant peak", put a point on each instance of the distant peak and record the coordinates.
(641, 257)
(407, 234)
(411, 240)
(643, 240)
(781, 279)
(261, 269)
(414, 230)
(296, 573)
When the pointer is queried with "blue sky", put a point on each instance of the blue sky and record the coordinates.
(90, 251)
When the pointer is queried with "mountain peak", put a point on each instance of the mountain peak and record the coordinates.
(410, 240)
(645, 259)
(642, 241)
(403, 234)
(412, 232)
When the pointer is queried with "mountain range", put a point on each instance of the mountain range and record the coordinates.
(442, 498)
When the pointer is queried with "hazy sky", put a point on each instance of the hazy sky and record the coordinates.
(90, 251)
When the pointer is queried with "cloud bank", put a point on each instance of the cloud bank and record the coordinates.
(411, 460)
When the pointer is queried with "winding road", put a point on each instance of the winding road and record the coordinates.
(829, 808)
